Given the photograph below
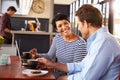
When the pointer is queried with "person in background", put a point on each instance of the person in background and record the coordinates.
(102, 61)
(5, 24)
(66, 46)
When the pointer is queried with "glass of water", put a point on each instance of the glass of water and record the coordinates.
(4, 59)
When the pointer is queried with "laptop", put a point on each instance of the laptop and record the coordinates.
(18, 51)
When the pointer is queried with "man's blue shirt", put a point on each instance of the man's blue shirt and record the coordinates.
(102, 61)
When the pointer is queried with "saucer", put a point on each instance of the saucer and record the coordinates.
(28, 72)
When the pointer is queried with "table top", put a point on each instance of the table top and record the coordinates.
(14, 71)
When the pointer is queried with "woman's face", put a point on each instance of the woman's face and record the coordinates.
(63, 27)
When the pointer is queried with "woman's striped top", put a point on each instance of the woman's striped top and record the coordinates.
(66, 52)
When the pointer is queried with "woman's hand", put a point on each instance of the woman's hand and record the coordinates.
(34, 53)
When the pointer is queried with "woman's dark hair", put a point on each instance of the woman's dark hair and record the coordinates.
(59, 17)
(91, 14)
(12, 8)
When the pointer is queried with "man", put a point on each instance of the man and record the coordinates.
(103, 59)
(5, 24)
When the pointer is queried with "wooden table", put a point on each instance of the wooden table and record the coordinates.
(13, 71)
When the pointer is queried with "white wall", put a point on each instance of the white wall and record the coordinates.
(23, 8)
(6, 4)
(46, 14)
(67, 2)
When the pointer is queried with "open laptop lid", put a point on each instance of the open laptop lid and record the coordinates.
(18, 51)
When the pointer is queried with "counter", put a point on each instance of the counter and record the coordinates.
(8, 49)
(31, 32)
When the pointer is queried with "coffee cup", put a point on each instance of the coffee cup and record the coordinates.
(26, 55)
(32, 64)
(24, 62)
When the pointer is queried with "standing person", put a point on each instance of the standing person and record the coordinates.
(66, 46)
(5, 24)
(102, 61)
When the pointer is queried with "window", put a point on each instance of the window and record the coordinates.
(103, 7)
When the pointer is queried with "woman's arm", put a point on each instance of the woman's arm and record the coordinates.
(51, 55)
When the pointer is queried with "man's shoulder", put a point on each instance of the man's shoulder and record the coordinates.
(5, 15)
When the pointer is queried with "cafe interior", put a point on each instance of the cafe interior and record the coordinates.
(25, 36)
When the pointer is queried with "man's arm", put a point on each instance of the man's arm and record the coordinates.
(59, 66)
(5, 24)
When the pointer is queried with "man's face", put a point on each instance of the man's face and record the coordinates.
(83, 28)
(11, 13)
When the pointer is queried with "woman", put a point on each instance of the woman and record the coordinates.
(66, 46)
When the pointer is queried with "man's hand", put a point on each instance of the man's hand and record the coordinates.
(44, 61)
(47, 63)
(7, 30)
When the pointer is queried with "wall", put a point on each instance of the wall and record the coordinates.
(67, 2)
(46, 13)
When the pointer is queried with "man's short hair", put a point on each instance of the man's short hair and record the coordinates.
(91, 14)
(12, 8)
